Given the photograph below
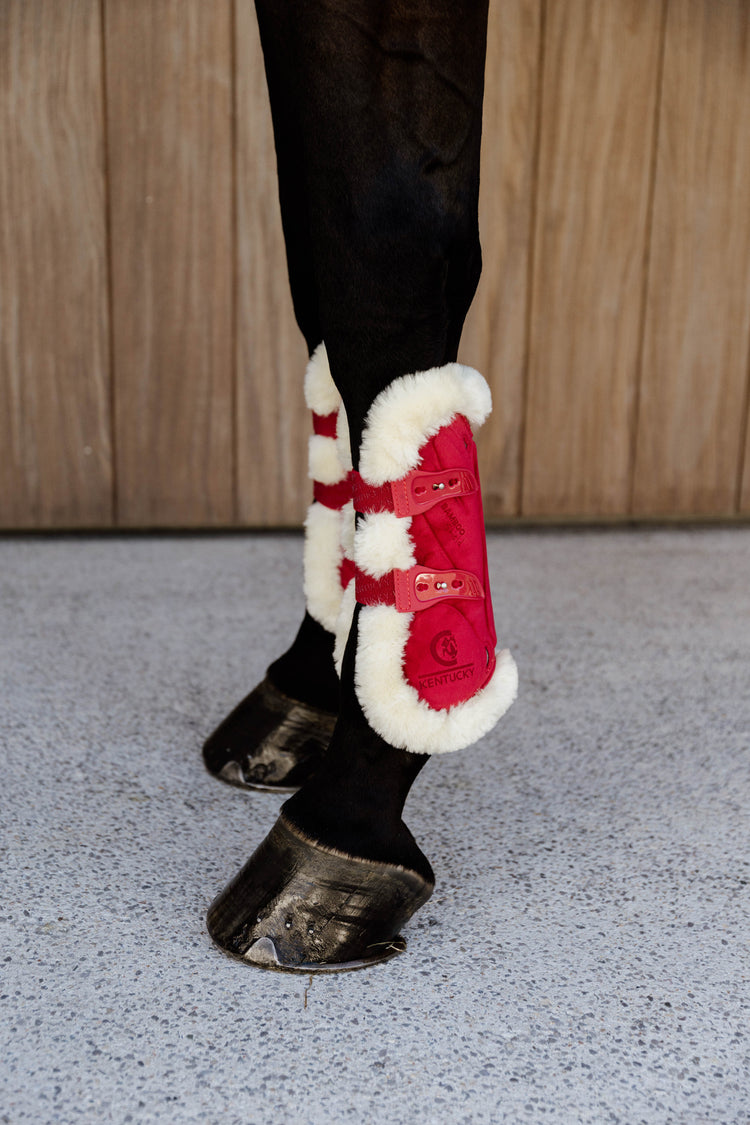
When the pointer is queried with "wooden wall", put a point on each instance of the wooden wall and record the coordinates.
(150, 367)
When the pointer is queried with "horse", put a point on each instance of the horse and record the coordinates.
(377, 114)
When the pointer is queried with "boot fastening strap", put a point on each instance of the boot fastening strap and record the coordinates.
(416, 588)
(415, 493)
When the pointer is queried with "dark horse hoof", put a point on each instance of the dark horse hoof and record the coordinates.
(269, 741)
(303, 908)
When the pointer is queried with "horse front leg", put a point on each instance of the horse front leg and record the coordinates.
(391, 124)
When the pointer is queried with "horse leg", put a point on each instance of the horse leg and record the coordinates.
(390, 94)
(274, 737)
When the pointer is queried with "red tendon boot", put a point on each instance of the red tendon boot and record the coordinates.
(427, 675)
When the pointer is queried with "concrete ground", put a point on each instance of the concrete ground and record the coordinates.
(585, 955)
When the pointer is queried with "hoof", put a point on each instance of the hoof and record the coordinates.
(299, 907)
(268, 742)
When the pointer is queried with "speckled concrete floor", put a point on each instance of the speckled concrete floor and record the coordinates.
(585, 955)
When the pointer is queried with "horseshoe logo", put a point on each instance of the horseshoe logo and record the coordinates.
(444, 648)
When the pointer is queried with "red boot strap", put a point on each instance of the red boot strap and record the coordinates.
(332, 495)
(325, 424)
(347, 571)
(416, 588)
(415, 493)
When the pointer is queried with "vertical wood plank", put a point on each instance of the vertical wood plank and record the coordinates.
(599, 94)
(743, 485)
(494, 338)
(272, 422)
(698, 312)
(169, 131)
(55, 455)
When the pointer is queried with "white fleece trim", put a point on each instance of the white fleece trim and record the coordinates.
(392, 706)
(322, 557)
(323, 462)
(382, 543)
(411, 410)
(344, 624)
(321, 394)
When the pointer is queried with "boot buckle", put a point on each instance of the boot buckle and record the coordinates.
(415, 493)
(418, 492)
(418, 588)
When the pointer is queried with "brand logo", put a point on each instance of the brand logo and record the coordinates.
(440, 679)
(444, 648)
(456, 529)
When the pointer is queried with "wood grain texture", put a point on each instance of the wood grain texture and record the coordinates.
(599, 92)
(612, 319)
(170, 164)
(55, 455)
(743, 488)
(494, 339)
(272, 422)
(697, 332)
